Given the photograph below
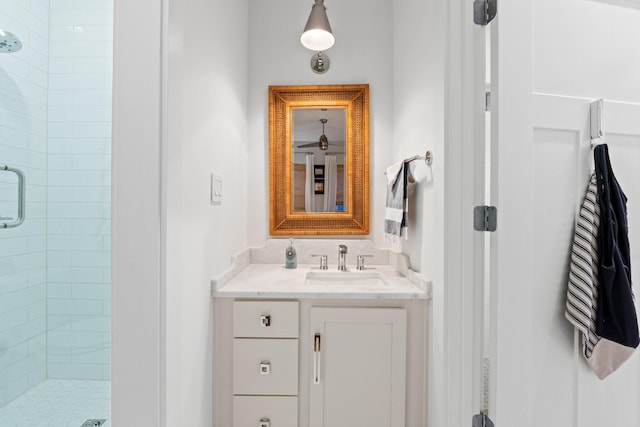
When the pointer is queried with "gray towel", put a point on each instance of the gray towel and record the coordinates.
(395, 218)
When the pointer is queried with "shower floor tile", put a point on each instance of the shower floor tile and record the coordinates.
(59, 403)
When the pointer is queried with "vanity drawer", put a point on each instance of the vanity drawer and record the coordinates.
(265, 366)
(272, 411)
(265, 319)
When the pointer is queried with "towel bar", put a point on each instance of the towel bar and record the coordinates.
(428, 158)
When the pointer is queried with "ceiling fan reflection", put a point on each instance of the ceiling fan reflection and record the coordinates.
(323, 143)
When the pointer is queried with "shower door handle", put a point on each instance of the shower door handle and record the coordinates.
(21, 197)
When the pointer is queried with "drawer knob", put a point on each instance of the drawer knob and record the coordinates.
(265, 320)
(265, 368)
(264, 422)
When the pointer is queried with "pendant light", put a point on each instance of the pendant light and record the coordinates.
(317, 33)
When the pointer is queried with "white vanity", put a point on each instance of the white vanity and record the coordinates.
(307, 347)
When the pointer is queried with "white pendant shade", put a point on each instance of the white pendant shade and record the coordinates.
(317, 34)
(317, 40)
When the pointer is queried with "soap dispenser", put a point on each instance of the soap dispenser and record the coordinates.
(291, 259)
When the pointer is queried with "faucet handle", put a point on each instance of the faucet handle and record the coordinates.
(323, 261)
(342, 249)
(360, 261)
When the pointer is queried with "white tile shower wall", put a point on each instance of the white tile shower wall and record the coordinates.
(23, 134)
(79, 193)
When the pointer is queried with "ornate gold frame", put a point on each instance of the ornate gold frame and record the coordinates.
(355, 219)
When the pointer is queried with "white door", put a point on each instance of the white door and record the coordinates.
(550, 59)
(359, 367)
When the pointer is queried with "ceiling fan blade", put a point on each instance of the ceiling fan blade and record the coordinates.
(311, 144)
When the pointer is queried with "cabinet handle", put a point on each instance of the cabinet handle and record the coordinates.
(264, 422)
(265, 320)
(316, 359)
(265, 368)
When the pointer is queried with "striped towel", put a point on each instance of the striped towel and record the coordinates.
(397, 205)
(603, 356)
(582, 293)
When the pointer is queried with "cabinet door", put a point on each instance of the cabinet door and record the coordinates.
(359, 367)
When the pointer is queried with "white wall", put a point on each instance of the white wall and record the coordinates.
(363, 53)
(418, 95)
(386, 44)
(419, 125)
(137, 290)
(207, 132)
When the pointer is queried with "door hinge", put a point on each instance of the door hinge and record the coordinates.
(487, 101)
(481, 420)
(485, 218)
(484, 11)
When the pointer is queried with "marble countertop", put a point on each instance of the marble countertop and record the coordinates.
(275, 281)
(260, 273)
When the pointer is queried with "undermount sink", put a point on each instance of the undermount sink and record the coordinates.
(345, 278)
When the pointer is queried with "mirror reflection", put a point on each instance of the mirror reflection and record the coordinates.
(319, 161)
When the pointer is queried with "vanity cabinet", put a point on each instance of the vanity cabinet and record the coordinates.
(370, 362)
(358, 367)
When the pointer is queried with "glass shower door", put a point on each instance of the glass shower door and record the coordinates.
(55, 225)
(23, 259)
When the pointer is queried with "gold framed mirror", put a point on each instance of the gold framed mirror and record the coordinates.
(319, 160)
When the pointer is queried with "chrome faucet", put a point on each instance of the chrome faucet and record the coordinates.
(342, 257)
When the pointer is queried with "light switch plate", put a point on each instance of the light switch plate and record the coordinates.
(216, 189)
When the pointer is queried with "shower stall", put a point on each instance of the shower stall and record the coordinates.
(55, 209)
